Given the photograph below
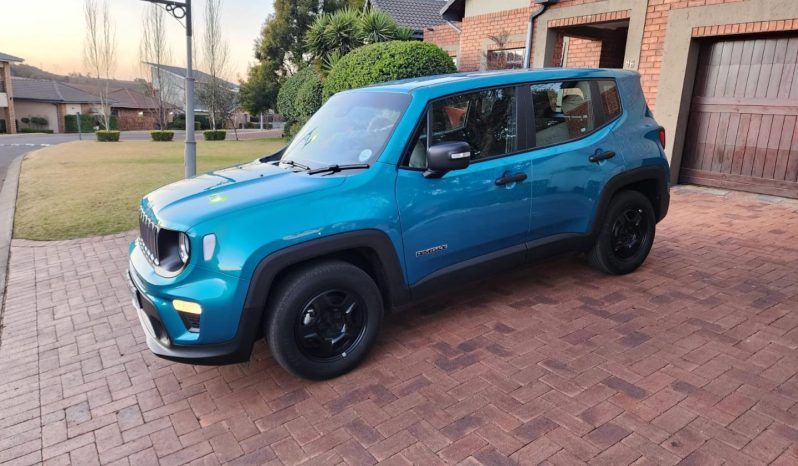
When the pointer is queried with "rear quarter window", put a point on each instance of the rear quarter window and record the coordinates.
(610, 101)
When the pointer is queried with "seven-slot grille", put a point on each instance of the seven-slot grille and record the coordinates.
(148, 237)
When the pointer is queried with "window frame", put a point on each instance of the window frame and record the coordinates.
(525, 118)
(521, 123)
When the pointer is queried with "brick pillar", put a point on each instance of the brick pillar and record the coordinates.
(11, 124)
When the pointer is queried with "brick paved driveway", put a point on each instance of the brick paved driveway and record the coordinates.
(692, 358)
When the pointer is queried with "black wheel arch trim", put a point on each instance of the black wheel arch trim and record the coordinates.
(622, 180)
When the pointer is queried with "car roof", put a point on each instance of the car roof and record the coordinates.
(457, 82)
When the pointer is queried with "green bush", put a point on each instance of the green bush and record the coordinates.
(87, 123)
(215, 135)
(39, 121)
(34, 130)
(387, 61)
(107, 136)
(162, 135)
(294, 111)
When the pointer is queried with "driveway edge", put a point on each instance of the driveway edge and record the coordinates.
(8, 202)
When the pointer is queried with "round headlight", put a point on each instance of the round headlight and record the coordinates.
(184, 248)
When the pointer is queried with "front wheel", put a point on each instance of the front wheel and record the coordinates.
(626, 235)
(323, 319)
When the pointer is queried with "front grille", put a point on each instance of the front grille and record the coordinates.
(148, 237)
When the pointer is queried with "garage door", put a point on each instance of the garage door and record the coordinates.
(742, 131)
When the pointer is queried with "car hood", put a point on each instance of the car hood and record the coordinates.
(183, 204)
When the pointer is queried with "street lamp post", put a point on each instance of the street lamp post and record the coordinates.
(182, 10)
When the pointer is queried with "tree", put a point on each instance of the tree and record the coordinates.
(99, 50)
(259, 91)
(333, 35)
(215, 51)
(154, 50)
(281, 49)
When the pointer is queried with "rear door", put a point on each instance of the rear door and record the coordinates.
(575, 153)
(474, 213)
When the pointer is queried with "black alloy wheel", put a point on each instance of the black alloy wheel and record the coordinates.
(330, 324)
(626, 234)
(629, 233)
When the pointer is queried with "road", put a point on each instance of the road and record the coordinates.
(15, 145)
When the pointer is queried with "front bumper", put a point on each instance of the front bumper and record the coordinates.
(160, 343)
(226, 332)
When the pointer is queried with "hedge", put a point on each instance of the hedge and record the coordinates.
(215, 135)
(387, 61)
(107, 136)
(162, 136)
(87, 123)
(296, 111)
(34, 130)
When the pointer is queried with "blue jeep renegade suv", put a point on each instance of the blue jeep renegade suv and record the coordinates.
(389, 193)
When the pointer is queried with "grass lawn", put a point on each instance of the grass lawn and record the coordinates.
(81, 189)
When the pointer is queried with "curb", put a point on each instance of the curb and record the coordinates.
(8, 201)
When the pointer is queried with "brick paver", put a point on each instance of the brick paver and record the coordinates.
(693, 358)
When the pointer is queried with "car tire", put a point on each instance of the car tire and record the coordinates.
(626, 234)
(323, 319)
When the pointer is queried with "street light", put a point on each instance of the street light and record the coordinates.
(182, 11)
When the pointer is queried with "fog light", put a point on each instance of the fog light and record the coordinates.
(187, 306)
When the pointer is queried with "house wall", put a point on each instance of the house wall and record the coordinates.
(72, 109)
(27, 109)
(447, 38)
(8, 112)
(662, 35)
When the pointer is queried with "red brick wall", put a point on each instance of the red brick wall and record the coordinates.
(478, 28)
(444, 36)
(583, 53)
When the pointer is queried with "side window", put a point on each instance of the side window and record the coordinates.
(563, 111)
(610, 101)
(485, 119)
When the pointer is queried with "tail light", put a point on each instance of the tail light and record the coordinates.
(662, 137)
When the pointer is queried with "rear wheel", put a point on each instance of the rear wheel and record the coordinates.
(323, 319)
(626, 235)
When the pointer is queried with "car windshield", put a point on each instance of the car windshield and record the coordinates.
(351, 128)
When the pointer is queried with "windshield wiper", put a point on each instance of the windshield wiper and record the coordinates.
(337, 168)
(291, 163)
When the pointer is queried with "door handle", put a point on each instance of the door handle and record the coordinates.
(511, 179)
(599, 156)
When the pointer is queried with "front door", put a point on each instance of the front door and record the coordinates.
(469, 214)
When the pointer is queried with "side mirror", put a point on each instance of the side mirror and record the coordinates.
(447, 156)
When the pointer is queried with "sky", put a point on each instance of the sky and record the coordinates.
(49, 34)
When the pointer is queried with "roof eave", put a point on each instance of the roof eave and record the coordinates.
(453, 10)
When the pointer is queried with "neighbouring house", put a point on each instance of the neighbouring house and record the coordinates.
(136, 110)
(417, 15)
(7, 109)
(51, 100)
(719, 75)
(170, 81)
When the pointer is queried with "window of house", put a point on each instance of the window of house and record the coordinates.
(610, 101)
(506, 59)
(563, 111)
(486, 120)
